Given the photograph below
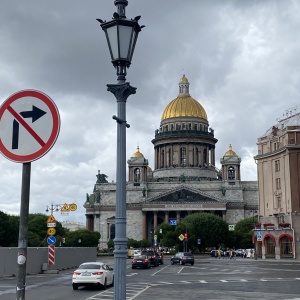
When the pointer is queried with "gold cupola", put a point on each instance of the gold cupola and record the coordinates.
(137, 153)
(184, 105)
(230, 152)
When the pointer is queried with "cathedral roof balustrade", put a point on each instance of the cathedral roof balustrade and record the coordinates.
(183, 132)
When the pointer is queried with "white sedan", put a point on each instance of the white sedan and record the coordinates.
(93, 274)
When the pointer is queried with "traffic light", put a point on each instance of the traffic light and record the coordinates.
(186, 236)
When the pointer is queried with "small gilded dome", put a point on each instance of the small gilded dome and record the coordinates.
(149, 169)
(137, 153)
(184, 79)
(230, 152)
(184, 105)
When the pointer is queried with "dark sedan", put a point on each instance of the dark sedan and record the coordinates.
(183, 258)
(141, 261)
(152, 255)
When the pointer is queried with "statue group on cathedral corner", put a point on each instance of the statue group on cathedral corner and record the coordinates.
(101, 178)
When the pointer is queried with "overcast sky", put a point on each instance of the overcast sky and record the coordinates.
(240, 57)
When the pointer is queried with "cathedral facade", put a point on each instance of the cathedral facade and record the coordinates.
(184, 179)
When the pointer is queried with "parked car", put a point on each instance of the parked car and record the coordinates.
(93, 274)
(183, 258)
(160, 257)
(152, 255)
(141, 261)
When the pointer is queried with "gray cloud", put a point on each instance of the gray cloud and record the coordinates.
(241, 58)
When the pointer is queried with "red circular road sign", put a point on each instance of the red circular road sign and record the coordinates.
(29, 126)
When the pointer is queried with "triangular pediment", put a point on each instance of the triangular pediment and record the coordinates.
(182, 195)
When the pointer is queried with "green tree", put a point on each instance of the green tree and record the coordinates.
(211, 229)
(244, 230)
(5, 230)
(82, 238)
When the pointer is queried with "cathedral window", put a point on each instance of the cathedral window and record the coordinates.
(231, 173)
(190, 126)
(172, 127)
(183, 126)
(112, 232)
(183, 156)
(177, 126)
(196, 162)
(167, 128)
(201, 127)
(169, 157)
(195, 126)
(162, 159)
(137, 175)
(204, 156)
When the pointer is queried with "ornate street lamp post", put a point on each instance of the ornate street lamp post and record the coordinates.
(121, 35)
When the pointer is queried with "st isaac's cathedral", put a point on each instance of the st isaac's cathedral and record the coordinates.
(184, 179)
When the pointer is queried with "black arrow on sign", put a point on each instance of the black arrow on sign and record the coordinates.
(35, 114)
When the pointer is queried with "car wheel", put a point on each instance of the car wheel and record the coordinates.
(133, 267)
(75, 286)
(192, 264)
(172, 262)
(113, 281)
(105, 284)
(149, 266)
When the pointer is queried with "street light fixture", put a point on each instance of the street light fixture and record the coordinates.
(121, 34)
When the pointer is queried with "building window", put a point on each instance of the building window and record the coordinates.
(167, 128)
(183, 126)
(137, 175)
(183, 156)
(200, 127)
(231, 173)
(190, 126)
(177, 126)
(277, 165)
(195, 127)
(269, 247)
(286, 249)
(112, 232)
(172, 127)
(169, 162)
(278, 184)
(162, 159)
(196, 162)
(204, 156)
(278, 202)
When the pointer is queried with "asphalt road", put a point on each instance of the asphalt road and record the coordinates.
(209, 278)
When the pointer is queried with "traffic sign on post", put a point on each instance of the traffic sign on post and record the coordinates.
(29, 126)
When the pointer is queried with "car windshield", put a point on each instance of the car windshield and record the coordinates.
(188, 254)
(90, 266)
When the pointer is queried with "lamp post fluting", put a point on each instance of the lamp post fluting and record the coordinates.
(121, 35)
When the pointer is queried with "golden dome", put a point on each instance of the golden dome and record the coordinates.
(230, 152)
(184, 79)
(184, 105)
(149, 169)
(137, 153)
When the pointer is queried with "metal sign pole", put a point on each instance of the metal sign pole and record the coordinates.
(23, 232)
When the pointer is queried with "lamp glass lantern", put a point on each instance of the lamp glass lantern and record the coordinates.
(121, 35)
